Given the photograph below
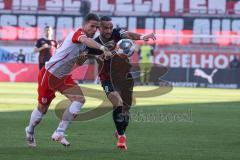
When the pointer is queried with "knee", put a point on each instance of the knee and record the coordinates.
(78, 98)
(115, 99)
(75, 107)
(81, 99)
(43, 108)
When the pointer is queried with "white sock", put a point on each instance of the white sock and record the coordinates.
(35, 119)
(68, 116)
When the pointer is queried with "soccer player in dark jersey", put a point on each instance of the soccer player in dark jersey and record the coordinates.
(120, 100)
(45, 46)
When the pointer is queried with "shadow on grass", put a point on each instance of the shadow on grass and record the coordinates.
(214, 128)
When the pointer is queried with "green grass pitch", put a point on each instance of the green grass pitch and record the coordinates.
(185, 124)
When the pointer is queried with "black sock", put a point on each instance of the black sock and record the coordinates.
(118, 119)
(126, 121)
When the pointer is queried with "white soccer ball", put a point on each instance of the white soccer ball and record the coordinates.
(125, 46)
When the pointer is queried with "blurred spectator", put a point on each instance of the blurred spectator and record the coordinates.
(45, 46)
(146, 56)
(21, 56)
(85, 7)
(235, 63)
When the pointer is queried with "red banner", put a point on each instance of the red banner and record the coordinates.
(194, 59)
(16, 72)
(167, 7)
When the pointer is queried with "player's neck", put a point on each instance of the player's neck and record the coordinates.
(48, 37)
(104, 40)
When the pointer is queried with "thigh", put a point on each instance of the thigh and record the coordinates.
(45, 93)
(115, 98)
(71, 90)
(112, 94)
(107, 87)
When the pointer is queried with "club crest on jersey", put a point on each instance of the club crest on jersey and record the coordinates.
(44, 100)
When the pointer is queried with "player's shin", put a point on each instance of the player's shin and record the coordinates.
(68, 116)
(118, 118)
(126, 121)
(35, 119)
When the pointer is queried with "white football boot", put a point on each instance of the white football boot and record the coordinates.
(30, 140)
(60, 138)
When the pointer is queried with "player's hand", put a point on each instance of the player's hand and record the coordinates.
(45, 45)
(149, 36)
(81, 59)
(100, 58)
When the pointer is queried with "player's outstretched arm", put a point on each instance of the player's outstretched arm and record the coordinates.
(93, 44)
(41, 48)
(136, 36)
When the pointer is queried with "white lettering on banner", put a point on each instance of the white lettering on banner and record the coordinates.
(78, 22)
(236, 29)
(206, 61)
(64, 27)
(94, 5)
(132, 23)
(142, 6)
(54, 5)
(26, 31)
(219, 7)
(2, 4)
(198, 6)
(43, 21)
(168, 30)
(172, 27)
(119, 21)
(202, 6)
(162, 59)
(8, 31)
(161, 5)
(16, 4)
(29, 5)
(124, 5)
(226, 25)
(104, 6)
(186, 60)
(30, 57)
(216, 24)
(175, 60)
(174, 24)
(159, 22)
(149, 24)
(237, 7)
(71, 5)
(221, 61)
(193, 60)
(201, 27)
(179, 5)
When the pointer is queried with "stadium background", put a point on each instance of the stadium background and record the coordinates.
(192, 34)
(195, 37)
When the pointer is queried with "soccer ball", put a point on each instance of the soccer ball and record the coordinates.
(125, 46)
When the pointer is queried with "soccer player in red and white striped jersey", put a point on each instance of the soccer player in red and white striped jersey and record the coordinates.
(55, 76)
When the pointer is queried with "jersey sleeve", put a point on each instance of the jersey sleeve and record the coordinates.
(79, 33)
(56, 44)
(94, 51)
(118, 33)
(38, 43)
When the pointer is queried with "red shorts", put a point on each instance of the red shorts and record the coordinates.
(48, 84)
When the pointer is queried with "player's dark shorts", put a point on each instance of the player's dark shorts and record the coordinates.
(107, 87)
(126, 91)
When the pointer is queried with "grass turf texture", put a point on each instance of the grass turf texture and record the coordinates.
(208, 129)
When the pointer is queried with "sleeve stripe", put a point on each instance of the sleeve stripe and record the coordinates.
(77, 35)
